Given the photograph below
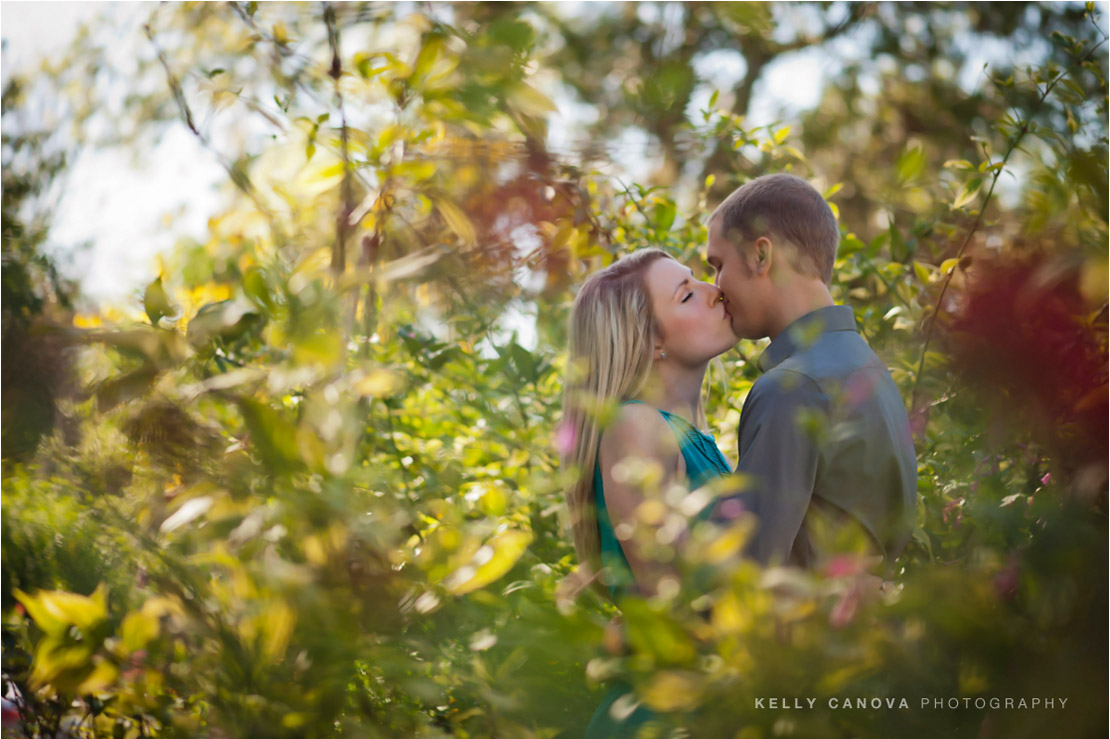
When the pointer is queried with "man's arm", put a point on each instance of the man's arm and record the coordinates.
(780, 428)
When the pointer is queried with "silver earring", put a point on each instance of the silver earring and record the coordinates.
(662, 355)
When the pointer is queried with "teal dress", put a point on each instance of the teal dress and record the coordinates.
(704, 463)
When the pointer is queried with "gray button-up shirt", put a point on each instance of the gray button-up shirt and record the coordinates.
(827, 463)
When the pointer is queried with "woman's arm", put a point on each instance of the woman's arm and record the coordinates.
(636, 506)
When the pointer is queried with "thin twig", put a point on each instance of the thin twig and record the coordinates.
(1015, 140)
(339, 253)
(238, 177)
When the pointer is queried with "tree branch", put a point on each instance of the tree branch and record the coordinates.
(1015, 139)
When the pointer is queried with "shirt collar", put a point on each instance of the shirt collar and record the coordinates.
(804, 331)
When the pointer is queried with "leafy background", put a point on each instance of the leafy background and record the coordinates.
(308, 483)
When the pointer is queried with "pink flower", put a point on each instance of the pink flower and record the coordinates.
(845, 609)
(565, 437)
(730, 509)
(1007, 580)
(843, 566)
(955, 505)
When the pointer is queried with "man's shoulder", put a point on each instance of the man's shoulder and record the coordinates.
(786, 381)
(834, 356)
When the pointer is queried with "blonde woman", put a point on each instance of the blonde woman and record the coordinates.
(642, 332)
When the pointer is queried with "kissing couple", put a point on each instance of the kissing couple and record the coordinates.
(825, 459)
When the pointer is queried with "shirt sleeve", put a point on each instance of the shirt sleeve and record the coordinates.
(781, 426)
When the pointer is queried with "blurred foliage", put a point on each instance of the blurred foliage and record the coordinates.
(311, 487)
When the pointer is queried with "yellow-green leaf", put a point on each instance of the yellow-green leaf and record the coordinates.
(910, 163)
(156, 302)
(967, 193)
(490, 562)
(102, 676)
(139, 628)
(378, 382)
(54, 611)
(457, 221)
(923, 272)
(277, 622)
(529, 100)
(674, 690)
(426, 58)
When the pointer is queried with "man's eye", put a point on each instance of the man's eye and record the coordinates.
(688, 296)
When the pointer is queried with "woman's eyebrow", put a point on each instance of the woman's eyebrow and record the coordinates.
(685, 280)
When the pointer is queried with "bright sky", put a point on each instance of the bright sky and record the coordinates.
(128, 215)
(125, 214)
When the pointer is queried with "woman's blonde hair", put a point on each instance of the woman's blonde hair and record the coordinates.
(612, 331)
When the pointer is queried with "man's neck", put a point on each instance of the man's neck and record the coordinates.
(796, 300)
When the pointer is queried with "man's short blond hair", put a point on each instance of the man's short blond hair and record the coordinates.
(786, 206)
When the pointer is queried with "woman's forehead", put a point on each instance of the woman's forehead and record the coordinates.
(669, 267)
(665, 275)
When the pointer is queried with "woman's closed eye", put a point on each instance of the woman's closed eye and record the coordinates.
(688, 296)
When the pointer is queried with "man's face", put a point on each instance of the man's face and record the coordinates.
(740, 283)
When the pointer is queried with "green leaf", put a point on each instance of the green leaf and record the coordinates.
(321, 347)
(794, 153)
(674, 690)
(457, 221)
(427, 56)
(529, 100)
(226, 319)
(910, 163)
(898, 248)
(257, 290)
(126, 387)
(850, 244)
(665, 212)
(493, 560)
(54, 611)
(948, 265)
(923, 271)
(967, 193)
(524, 360)
(377, 382)
(654, 633)
(271, 435)
(877, 243)
(156, 302)
(189, 511)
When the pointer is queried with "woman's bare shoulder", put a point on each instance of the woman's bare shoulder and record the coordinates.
(638, 430)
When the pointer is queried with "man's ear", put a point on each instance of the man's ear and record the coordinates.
(762, 253)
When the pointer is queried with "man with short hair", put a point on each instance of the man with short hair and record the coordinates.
(827, 463)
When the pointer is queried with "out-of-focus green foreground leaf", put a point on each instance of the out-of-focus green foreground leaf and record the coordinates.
(311, 486)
